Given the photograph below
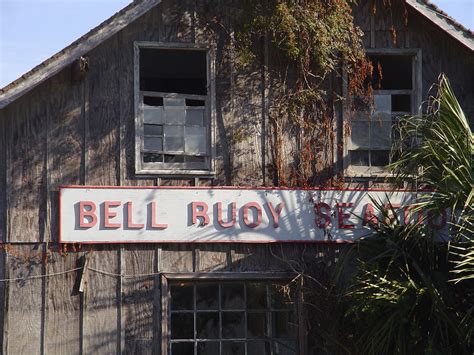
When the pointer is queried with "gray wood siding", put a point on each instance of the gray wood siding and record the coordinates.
(68, 131)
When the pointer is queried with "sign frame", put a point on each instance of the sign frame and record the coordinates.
(230, 188)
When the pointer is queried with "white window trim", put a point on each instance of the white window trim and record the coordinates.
(381, 172)
(140, 169)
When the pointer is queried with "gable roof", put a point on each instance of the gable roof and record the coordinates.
(75, 50)
(444, 21)
(130, 13)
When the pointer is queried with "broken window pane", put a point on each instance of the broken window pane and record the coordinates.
(401, 103)
(392, 72)
(152, 158)
(174, 101)
(174, 158)
(153, 101)
(192, 102)
(173, 71)
(194, 159)
(359, 157)
(379, 157)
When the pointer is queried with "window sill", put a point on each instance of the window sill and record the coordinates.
(175, 173)
(362, 172)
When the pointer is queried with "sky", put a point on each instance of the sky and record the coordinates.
(33, 30)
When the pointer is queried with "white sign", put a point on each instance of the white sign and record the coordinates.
(183, 214)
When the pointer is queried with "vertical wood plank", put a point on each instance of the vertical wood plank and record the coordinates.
(165, 297)
(26, 168)
(3, 304)
(23, 329)
(62, 330)
(65, 142)
(101, 330)
(138, 299)
(102, 321)
(3, 176)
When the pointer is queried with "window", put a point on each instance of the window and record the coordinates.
(396, 89)
(230, 318)
(173, 110)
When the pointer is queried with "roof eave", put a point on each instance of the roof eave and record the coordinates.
(74, 51)
(442, 21)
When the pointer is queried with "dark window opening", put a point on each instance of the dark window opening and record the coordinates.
(401, 103)
(153, 101)
(232, 317)
(173, 71)
(392, 72)
(174, 119)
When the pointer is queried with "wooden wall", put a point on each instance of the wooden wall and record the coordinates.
(69, 131)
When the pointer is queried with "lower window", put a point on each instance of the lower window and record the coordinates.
(231, 317)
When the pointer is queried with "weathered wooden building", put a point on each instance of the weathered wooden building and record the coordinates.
(102, 113)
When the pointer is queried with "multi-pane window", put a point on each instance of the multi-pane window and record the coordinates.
(374, 128)
(173, 116)
(231, 318)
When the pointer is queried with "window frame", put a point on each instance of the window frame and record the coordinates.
(416, 92)
(142, 168)
(168, 278)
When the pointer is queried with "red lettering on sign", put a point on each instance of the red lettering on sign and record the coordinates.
(130, 223)
(341, 216)
(110, 214)
(153, 218)
(370, 218)
(201, 213)
(233, 212)
(407, 214)
(322, 220)
(90, 213)
(276, 212)
(391, 209)
(245, 212)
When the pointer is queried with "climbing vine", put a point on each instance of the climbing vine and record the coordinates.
(317, 45)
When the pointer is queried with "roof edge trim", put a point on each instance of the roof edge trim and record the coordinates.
(83, 45)
(443, 21)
